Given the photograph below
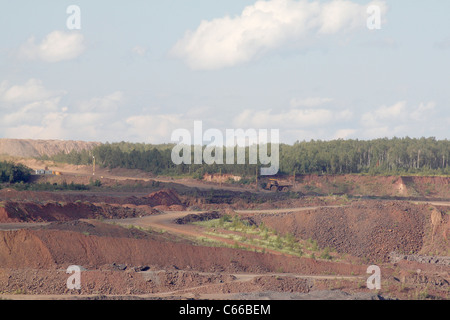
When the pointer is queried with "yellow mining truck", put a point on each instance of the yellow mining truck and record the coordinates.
(276, 185)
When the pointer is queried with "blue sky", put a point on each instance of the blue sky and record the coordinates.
(138, 70)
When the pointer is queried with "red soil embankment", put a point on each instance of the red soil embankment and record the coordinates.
(382, 186)
(93, 245)
(371, 229)
(166, 197)
(33, 210)
(11, 212)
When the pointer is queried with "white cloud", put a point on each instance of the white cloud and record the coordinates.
(107, 103)
(344, 115)
(35, 125)
(155, 128)
(423, 111)
(344, 133)
(32, 90)
(32, 132)
(384, 113)
(97, 118)
(30, 113)
(266, 25)
(37, 113)
(56, 46)
(309, 102)
(396, 120)
(290, 119)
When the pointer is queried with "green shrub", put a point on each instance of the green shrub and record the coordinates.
(326, 254)
(96, 183)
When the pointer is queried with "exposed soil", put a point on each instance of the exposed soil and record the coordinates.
(36, 148)
(370, 229)
(63, 245)
(92, 229)
(32, 210)
(380, 186)
(166, 197)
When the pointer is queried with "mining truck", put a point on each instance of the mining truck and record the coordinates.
(276, 185)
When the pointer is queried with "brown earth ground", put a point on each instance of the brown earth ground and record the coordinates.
(133, 239)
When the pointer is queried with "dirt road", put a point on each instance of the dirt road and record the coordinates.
(129, 174)
(21, 225)
(165, 222)
(243, 277)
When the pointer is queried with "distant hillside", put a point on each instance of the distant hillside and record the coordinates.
(28, 148)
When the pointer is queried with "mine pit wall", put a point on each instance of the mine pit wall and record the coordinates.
(23, 249)
(128, 207)
(13, 212)
(369, 229)
(52, 249)
(380, 186)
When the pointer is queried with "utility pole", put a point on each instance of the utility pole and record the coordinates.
(418, 159)
(93, 167)
(294, 178)
(256, 179)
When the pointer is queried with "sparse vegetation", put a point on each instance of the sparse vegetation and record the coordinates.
(421, 294)
(20, 291)
(47, 186)
(326, 254)
(96, 183)
(241, 231)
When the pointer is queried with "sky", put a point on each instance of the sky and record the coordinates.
(138, 70)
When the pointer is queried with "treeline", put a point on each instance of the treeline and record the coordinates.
(380, 156)
(151, 158)
(14, 173)
(156, 159)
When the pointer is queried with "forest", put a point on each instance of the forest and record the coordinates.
(14, 173)
(424, 156)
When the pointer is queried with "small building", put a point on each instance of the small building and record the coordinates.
(221, 177)
(44, 172)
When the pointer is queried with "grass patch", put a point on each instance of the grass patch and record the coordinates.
(263, 238)
(209, 242)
